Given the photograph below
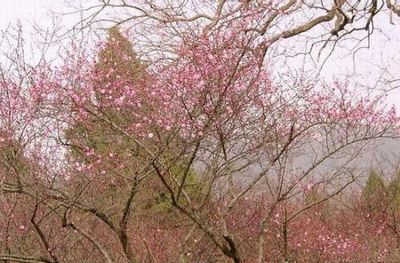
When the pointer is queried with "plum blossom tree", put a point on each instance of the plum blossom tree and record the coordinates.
(98, 138)
(320, 25)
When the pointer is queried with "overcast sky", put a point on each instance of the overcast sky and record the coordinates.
(26, 10)
(385, 50)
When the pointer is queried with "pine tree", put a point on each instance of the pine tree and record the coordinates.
(394, 192)
(394, 206)
(374, 196)
(117, 61)
(118, 56)
(313, 198)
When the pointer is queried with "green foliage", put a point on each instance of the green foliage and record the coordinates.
(374, 195)
(108, 146)
(119, 57)
(394, 195)
(312, 196)
(192, 187)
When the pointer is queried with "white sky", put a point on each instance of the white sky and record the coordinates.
(26, 10)
(385, 51)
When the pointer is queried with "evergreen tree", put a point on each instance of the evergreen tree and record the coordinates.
(313, 198)
(118, 55)
(94, 140)
(374, 196)
(394, 191)
(121, 159)
(394, 206)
